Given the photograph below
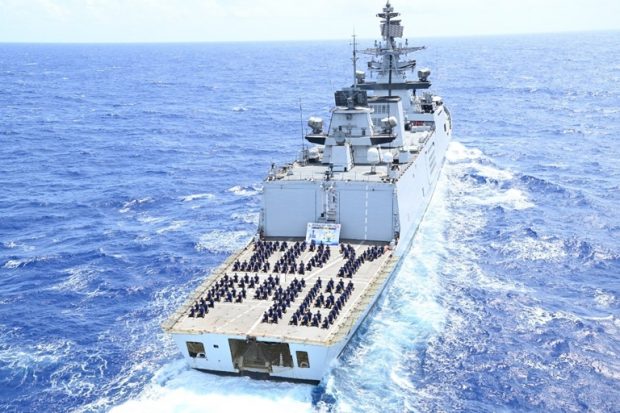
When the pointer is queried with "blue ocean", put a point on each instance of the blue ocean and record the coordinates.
(129, 172)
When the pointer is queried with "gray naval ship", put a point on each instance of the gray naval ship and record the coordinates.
(333, 228)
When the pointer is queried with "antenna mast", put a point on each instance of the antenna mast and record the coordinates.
(301, 126)
(354, 60)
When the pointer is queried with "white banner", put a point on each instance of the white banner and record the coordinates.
(328, 234)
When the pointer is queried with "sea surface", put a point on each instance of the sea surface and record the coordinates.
(129, 172)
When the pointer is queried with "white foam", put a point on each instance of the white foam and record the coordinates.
(174, 226)
(175, 388)
(146, 219)
(248, 218)
(239, 109)
(604, 299)
(77, 279)
(127, 206)
(512, 199)
(193, 197)
(494, 173)
(12, 264)
(531, 249)
(222, 241)
(27, 356)
(22, 262)
(457, 152)
(245, 191)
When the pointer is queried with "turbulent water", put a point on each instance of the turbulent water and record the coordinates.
(127, 173)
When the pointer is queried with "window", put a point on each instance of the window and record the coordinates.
(196, 349)
(302, 359)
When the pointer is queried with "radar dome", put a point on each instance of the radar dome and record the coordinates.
(388, 157)
(390, 122)
(373, 155)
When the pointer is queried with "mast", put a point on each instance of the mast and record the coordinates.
(354, 61)
(389, 31)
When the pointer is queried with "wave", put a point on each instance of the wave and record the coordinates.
(15, 245)
(246, 218)
(220, 241)
(193, 197)
(542, 185)
(28, 356)
(246, 191)
(531, 249)
(129, 205)
(15, 263)
(174, 226)
(176, 388)
(78, 279)
(147, 219)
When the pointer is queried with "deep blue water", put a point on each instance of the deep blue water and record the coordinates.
(128, 172)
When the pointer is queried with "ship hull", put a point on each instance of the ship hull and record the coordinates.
(414, 191)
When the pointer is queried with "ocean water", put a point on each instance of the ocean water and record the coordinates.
(129, 172)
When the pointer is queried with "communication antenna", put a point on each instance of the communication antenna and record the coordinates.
(354, 60)
(301, 128)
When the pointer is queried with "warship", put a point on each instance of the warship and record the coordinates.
(333, 228)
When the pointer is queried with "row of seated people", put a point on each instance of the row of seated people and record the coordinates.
(200, 309)
(282, 299)
(319, 258)
(291, 255)
(373, 252)
(260, 258)
(350, 267)
(267, 287)
(335, 311)
(289, 267)
(305, 305)
(322, 301)
(306, 318)
(347, 251)
(313, 245)
(227, 289)
(240, 281)
(303, 316)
